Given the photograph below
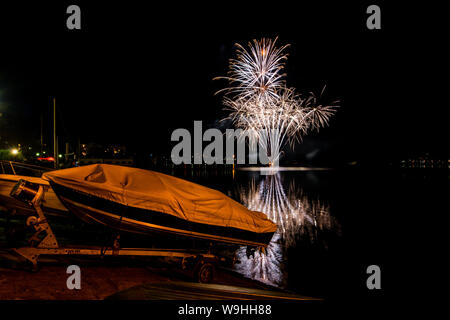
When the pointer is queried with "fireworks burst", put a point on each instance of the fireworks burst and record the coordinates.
(257, 72)
(260, 103)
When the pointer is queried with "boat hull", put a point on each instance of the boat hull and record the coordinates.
(136, 220)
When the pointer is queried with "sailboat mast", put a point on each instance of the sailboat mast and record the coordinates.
(55, 144)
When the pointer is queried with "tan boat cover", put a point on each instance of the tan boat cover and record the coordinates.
(163, 193)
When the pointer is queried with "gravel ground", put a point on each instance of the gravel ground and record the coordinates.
(98, 281)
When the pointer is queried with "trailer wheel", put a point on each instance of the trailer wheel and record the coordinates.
(205, 272)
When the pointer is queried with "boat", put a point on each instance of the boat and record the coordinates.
(143, 201)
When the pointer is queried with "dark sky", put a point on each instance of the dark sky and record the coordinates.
(135, 73)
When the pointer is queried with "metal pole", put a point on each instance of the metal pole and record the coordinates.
(57, 153)
(66, 156)
(55, 147)
(42, 136)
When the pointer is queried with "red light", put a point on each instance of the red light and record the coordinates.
(46, 159)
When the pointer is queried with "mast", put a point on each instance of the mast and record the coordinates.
(55, 143)
(42, 136)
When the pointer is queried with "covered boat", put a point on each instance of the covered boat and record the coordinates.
(143, 201)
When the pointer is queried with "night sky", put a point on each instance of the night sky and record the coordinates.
(133, 74)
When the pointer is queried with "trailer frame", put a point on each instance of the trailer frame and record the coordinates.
(44, 243)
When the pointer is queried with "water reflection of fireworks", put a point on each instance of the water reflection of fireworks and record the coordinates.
(296, 216)
(265, 267)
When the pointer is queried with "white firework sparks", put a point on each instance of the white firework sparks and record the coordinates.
(266, 267)
(257, 71)
(273, 122)
(291, 210)
(260, 103)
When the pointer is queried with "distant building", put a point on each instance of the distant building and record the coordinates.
(120, 162)
(108, 153)
(425, 162)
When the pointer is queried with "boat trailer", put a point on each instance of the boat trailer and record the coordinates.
(201, 264)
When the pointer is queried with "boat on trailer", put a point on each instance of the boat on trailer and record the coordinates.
(143, 201)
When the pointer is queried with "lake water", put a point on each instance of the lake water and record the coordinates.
(334, 224)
